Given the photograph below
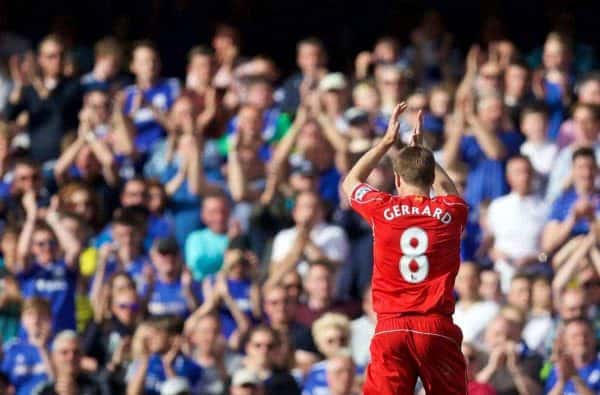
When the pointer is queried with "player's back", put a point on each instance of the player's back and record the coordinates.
(416, 250)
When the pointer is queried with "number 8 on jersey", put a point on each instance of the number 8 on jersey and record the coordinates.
(414, 265)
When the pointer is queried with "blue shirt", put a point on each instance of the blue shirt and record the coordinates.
(562, 206)
(486, 176)
(328, 186)
(155, 376)
(590, 374)
(162, 96)
(57, 284)
(184, 206)
(553, 99)
(23, 366)
(204, 250)
(135, 269)
(315, 382)
(168, 298)
(240, 293)
(157, 227)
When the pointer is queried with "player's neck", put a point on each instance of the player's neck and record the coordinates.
(409, 190)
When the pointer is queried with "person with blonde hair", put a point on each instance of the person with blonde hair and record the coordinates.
(332, 337)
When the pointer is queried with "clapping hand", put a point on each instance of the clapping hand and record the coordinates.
(391, 134)
(416, 140)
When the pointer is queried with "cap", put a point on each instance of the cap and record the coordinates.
(175, 386)
(333, 82)
(245, 377)
(304, 168)
(355, 116)
(166, 245)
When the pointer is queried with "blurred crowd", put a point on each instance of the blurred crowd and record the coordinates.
(188, 236)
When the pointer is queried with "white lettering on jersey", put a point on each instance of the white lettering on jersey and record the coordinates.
(396, 211)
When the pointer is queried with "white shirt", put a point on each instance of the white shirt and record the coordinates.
(516, 223)
(536, 332)
(362, 331)
(330, 239)
(473, 320)
(541, 155)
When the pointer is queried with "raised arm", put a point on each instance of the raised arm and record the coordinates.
(67, 240)
(443, 184)
(236, 179)
(365, 165)
(67, 158)
(105, 157)
(487, 138)
(26, 234)
(337, 141)
(566, 271)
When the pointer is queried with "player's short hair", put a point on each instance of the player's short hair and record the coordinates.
(415, 165)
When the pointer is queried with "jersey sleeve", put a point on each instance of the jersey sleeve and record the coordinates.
(364, 199)
(457, 207)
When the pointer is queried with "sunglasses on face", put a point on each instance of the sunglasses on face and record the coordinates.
(336, 340)
(128, 306)
(292, 285)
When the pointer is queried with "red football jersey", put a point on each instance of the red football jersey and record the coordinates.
(416, 249)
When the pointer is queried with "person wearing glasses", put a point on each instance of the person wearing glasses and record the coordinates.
(109, 334)
(262, 348)
(50, 99)
(47, 258)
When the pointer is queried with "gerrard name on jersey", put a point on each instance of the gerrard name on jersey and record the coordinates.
(399, 210)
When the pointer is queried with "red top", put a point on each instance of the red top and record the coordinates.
(416, 250)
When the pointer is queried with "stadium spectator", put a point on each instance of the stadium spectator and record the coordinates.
(106, 74)
(509, 368)
(362, 331)
(205, 249)
(68, 377)
(311, 59)
(149, 96)
(575, 208)
(472, 314)
(27, 362)
(576, 364)
(160, 358)
(586, 123)
(51, 100)
(260, 349)
(521, 213)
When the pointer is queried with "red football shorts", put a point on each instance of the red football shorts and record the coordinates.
(412, 346)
